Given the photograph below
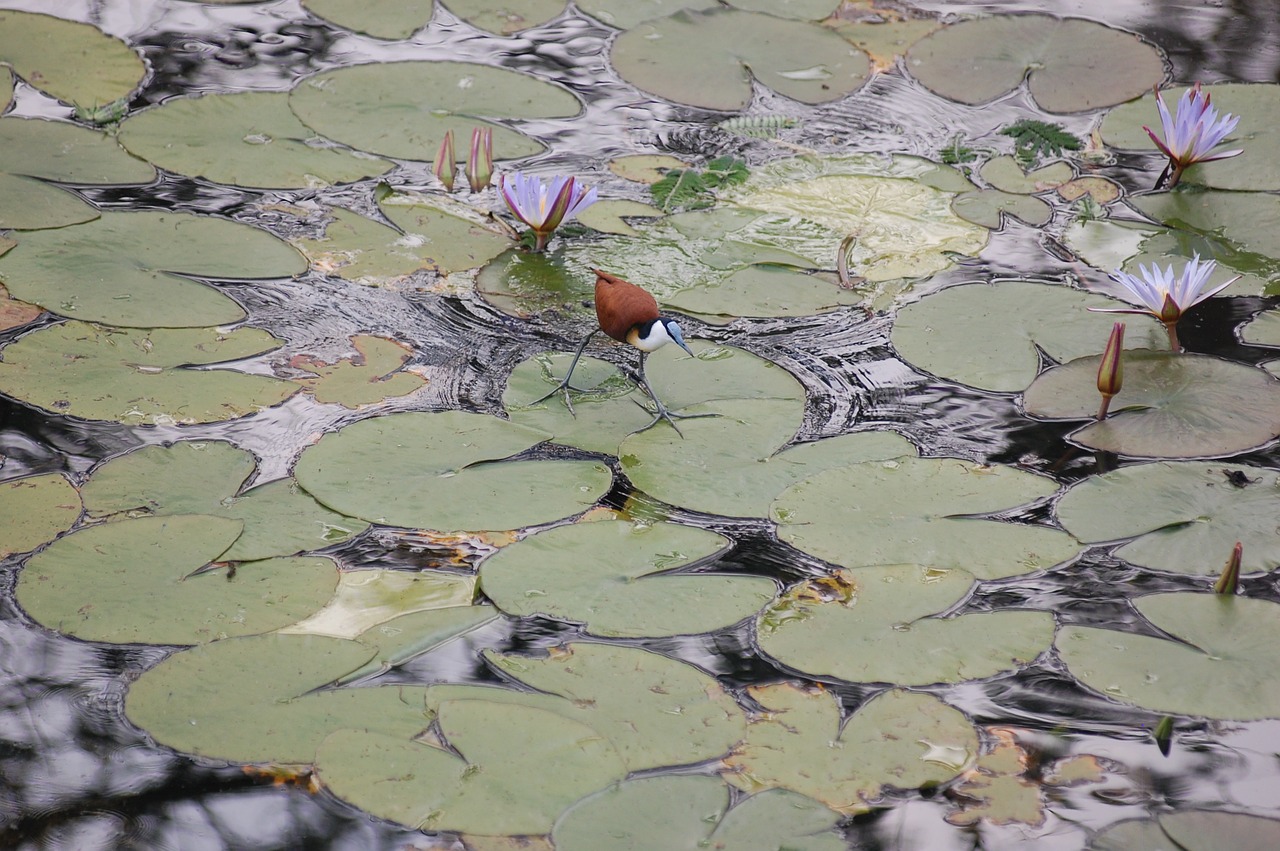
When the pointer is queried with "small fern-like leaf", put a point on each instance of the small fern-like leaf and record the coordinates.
(1035, 139)
(758, 126)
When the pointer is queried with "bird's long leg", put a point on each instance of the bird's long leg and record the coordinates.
(662, 413)
(564, 384)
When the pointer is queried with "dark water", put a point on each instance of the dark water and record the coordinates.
(75, 775)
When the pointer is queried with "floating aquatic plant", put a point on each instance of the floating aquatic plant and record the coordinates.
(1165, 297)
(1035, 139)
(545, 206)
(1191, 134)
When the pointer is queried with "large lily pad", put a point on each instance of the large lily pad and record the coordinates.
(898, 739)
(1188, 515)
(188, 477)
(618, 579)
(35, 510)
(478, 779)
(1248, 220)
(506, 16)
(1254, 170)
(430, 471)
(762, 291)
(657, 711)
(245, 139)
(256, 699)
(387, 19)
(135, 269)
(1071, 65)
(76, 63)
(709, 57)
(919, 510)
(987, 335)
(403, 109)
(36, 151)
(131, 581)
(690, 813)
(1191, 830)
(139, 376)
(1219, 666)
(876, 624)
(1172, 405)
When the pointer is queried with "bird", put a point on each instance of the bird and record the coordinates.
(630, 315)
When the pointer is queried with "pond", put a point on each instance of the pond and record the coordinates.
(292, 554)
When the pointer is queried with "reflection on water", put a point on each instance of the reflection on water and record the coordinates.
(74, 775)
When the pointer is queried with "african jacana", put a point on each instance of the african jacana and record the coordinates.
(630, 315)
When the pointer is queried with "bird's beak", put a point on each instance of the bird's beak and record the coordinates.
(685, 346)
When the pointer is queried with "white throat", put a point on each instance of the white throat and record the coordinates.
(654, 340)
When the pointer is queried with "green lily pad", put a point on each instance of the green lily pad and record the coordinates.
(135, 269)
(429, 471)
(36, 151)
(625, 14)
(897, 739)
(387, 19)
(841, 627)
(1171, 406)
(607, 216)
(256, 699)
(987, 335)
(35, 510)
(130, 581)
(617, 579)
(709, 57)
(280, 519)
(1071, 65)
(690, 813)
(643, 168)
(1006, 174)
(1248, 220)
(997, 791)
(1253, 170)
(402, 109)
(762, 291)
(6, 89)
(505, 16)
(367, 598)
(371, 376)
(1219, 665)
(657, 711)
(920, 510)
(188, 477)
(478, 779)
(244, 139)
(1262, 330)
(1191, 830)
(1188, 514)
(76, 63)
(987, 207)
(1106, 243)
(138, 376)
(408, 636)
(884, 40)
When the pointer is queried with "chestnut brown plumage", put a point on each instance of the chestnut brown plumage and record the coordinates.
(629, 315)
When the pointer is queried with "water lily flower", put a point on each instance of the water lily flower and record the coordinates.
(444, 168)
(1111, 369)
(480, 161)
(1191, 135)
(1165, 297)
(1229, 581)
(544, 207)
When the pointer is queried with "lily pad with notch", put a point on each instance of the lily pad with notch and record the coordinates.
(446, 471)
(921, 510)
(1186, 515)
(1172, 405)
(76, 63)
(881, 624)
(373, 375)
(1217, 665)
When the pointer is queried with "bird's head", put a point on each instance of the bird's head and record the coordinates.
(651, 336)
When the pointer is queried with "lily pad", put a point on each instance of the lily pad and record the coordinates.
(35, 510)
(921, 510)
(643, 168)
(1171, 406)
(1248, 220)
(1218, 666)
(477, 779)
(1188, 514)
(130, 581)
(366, 599)
(244, 139)
(188, 477)
(386, 19)
(762, 291)
(709, 57)
(1253, 170)
(620, 579)
(139, 376)
(1071, 65)
(897, 739)
(402, 109)
(657, 711)
(200, 700)
(1191, 830)
(76, 63)
(691, 812)
(369, 377)
(14, 313)
(1006, 174)
(505, 16)
(884, 40)
(607, 216)
(988, 335)
(843, 626)
(1263, 329)
(625, 14)
(987, 207)
(998, 790)
(1101, 190)
(429, 471)
(136, 270)
(36, 151)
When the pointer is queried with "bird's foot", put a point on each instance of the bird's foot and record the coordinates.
(664, 413)
(564, 386)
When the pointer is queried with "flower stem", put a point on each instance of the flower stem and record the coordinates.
(1102, 410)
(1171, 328)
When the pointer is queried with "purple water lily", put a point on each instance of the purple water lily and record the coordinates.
(1165, 296)
(1191, 135)
(544, 207)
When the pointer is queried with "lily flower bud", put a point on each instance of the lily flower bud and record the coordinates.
(1229, 582)
(1111, 368)
(480, 161)
(445, 160)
